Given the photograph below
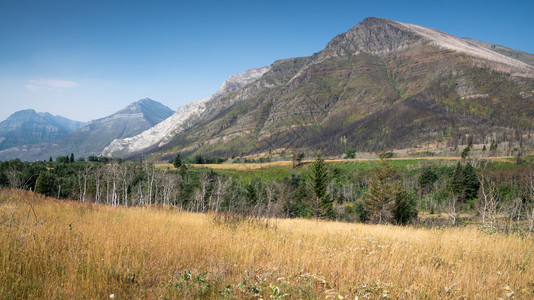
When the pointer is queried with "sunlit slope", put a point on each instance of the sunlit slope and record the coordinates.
(91, 251)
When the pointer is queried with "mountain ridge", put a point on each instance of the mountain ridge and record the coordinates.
(93, 137)
(28, 126)
(381, 85)
(340, 92)
(159, 135)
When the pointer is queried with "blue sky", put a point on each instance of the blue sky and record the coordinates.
(87, 59)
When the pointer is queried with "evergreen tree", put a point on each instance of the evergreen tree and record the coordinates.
(465, 183)
(297, 159)
(323, 203)
(387, 198)
(470, 182)
(426, 179)
(199, 160)
(493, 145)
(45, 184)
(71, 158)
(465, 152)
(405, 207)
(350, 153)
(177, 161)
(252, 196)
(457, 183)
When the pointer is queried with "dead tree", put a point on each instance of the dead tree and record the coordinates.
(487, 203)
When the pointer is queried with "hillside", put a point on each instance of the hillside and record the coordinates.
(29, 127)
(516, 54)
(381, 85)
(97, 251)
(92, 138)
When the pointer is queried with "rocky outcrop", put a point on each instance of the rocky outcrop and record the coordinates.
(157, 135)
(374, 36)
(238, 81)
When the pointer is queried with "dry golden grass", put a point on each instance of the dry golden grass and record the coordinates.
(91, 251)
(288, 163)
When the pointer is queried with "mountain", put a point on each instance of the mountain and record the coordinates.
(29, 127)
(93, 137)
(381, 85)
(516, 54)
(159, 135)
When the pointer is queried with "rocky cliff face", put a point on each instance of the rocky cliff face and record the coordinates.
(185, 117)
(381, 85)
(375, 36)
(240, 80)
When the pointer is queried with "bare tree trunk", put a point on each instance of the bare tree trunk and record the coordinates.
(487, 206)
(97, 186)
(453, 210)
(140, 193)
(220, 192)
(125, 188)
(12, 174)
(107, 190)
(204, 181)
(79, 187)
(114, 194)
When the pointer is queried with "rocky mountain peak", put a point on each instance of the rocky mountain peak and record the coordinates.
(147, 108)
(374, 36)
(25, 114)
(382, 37)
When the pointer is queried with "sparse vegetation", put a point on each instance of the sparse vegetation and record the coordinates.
(81, 250)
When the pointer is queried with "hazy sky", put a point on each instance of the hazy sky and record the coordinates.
(87, 59)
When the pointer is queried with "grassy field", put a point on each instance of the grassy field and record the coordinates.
(60, 249)
(279, 170)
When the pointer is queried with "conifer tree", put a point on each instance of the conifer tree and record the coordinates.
(471, 184)
(426, 179)
(404, 207)
(177, 163)
(45, 184)
(323, 203)
(387, 198)
(465, 152)
(457, 183)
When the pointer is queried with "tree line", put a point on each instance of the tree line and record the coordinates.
(383, 194)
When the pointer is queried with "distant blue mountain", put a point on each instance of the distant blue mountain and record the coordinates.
(29, 127)
(90, 139)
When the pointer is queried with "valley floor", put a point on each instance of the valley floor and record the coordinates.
(289, 163)
(62, 249)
